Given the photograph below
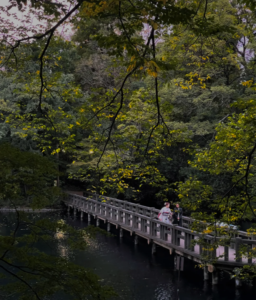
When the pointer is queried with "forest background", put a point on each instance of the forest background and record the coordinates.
(147, 101)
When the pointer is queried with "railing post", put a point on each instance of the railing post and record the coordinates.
(186, 241)
(237, 246)
(151, 229)
(116, 214)
(250, 247)
(201, 251)
(120, 218)
(127, 218)
(174, 236)
(163, 235)
(226, 252)
(135, 222)
(108, 212)
(191, 243)
(232, 245)
(143, 225)
(213, 250)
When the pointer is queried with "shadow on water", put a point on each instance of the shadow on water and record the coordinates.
(136, 274)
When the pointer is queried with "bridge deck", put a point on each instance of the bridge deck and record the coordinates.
(142, 221)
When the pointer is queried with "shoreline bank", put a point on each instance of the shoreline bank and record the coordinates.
(27, 209)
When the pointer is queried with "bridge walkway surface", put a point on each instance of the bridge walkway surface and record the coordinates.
(142, 221)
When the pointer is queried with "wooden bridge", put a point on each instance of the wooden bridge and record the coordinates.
(141, 221)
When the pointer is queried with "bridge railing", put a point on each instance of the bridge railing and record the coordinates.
(143, 220)
(153, 212)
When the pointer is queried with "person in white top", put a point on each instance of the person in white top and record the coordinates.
(165, 214)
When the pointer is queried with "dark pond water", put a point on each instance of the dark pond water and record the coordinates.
(136, 274)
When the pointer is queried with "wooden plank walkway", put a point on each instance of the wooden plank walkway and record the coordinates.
(142, 221)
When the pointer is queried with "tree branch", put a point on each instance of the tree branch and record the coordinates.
(51, 30)
(22, 280)
(41, 70)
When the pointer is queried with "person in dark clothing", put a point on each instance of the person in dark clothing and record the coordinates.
(177, 215)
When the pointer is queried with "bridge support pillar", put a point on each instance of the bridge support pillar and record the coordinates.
(153, 249)
(74, 212)
(82, 215)
(136, 240)
(108, 227)
(89, 218)
(97, 222)
(215, 277)
(120, 232)
(206, 273)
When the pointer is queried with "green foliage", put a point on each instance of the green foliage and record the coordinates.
(32, 274)
(26, 178)
(232, 154)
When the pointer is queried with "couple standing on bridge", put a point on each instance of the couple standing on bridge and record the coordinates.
(168, 216)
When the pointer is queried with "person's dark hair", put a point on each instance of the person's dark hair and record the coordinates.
(166, 203)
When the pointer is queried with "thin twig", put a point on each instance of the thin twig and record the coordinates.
(122, 23)
(112, 126)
